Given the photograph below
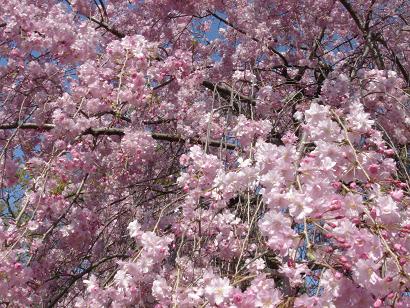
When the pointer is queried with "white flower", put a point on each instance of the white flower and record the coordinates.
(218, 290)
(134, 228)
(298, 116)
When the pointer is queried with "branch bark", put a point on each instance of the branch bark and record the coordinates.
(273, 50)
(227, 93)
(54, 300)
(367, 35)
(100, 131)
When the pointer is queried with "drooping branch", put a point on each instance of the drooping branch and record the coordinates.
(54, 300)
(105, 131)
(396, 60)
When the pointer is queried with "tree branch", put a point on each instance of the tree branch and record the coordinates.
(368, 36)
(227, 93)
(54, 300)
(120, 132)
(402, 69)
(110, 29)
(273, 50)
(353, 14)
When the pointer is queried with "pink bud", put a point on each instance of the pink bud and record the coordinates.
(355, 220)
(373, 213)
(385, 234)
(397, 195)
(17, 266)
(331, 224)
(404, 230)
(343, 259)
(374, 168)
(335, 205)
(317, 215)
(340, 239)
(336, 185)
(402, 261)
(328, 249)
(364, 256)
(389, 152)
(347, 265)
(238, 298)
(353, 185)
(403, 185)
(378, 303)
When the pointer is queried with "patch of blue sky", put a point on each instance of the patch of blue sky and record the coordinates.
(206, 37)
(35, 53)
(66, 5)
(4, 61)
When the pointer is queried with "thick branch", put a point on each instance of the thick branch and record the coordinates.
(228, 93)
(353, 14)
(110, 29)
(120, 132)
(366, 34)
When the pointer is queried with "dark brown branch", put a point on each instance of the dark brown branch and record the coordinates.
(164, 84)
(402, 69)
(54, 300)
(160, 121)
(100, 23)
(103, 8)
(227, 93)
(27, 126)
(103, 131)
(353, 14)
(110, 29)
(273, 50)
(368, 36)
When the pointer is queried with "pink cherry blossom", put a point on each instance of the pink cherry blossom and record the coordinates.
(204, 153)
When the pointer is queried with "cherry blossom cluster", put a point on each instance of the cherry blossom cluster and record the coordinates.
(213, 153)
